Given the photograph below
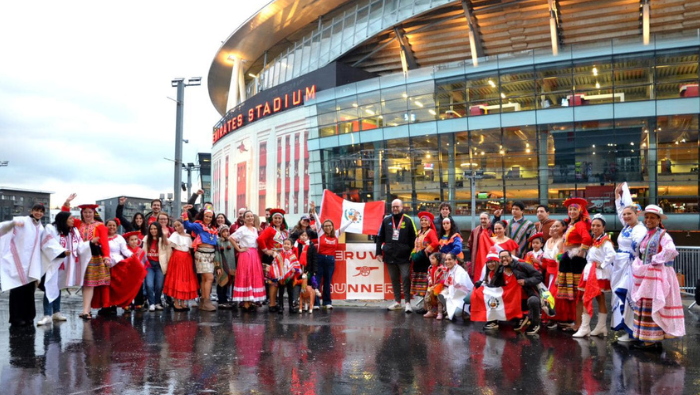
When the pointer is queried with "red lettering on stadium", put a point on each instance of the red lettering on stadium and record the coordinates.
(236, 119)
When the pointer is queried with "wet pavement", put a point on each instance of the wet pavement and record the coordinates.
(343, 351)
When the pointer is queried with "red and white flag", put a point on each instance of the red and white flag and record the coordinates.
(496, 304)
(365, 218)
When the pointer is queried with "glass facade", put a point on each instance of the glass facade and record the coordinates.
(537, 133)
(337, 33)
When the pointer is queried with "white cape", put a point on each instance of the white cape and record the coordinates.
(454, 293)
(70, 271)
(27, 251)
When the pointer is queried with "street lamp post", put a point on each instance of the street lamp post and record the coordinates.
(180, 84)
(472, 180)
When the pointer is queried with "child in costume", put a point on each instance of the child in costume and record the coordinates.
(436, 281)
(284, 269)
(224, 267)
(133, 243)
(306, 251)
(534, 256)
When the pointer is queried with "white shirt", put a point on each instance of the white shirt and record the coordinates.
(180, 242)
(118, 250)
(245, 237)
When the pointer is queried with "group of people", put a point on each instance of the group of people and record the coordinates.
(161, 262)
(544, 273)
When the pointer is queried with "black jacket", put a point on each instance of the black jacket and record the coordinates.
(527, 272)
(310, 257)
(396, 251)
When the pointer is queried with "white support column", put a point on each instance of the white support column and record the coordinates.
(233, 88)
(241, 84)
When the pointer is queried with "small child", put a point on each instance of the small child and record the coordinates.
(181, 282)
(306, 251)
(224, 267)
(493, 276)
(133, 242)
(283, 270)
(436, 282)
(534, 257)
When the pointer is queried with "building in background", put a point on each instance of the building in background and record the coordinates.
(535, 101)
(16, 202)
(132, 206)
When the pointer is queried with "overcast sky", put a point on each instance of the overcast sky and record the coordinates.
(84, 89)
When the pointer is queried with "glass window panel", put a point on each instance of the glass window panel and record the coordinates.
(517, 90)
(361, 25)
(554, 84)
(483, 94)
(375, 16)
(368, 98)
(425, 169)
(677, 161)
(676, 72)
(398, 167)
(348, 31)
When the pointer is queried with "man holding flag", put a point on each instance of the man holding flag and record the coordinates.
(528, 278)
(395, 242)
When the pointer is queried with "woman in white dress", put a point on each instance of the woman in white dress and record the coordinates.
(628, 242)
(458, 286)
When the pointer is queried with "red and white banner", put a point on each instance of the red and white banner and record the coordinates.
(365, 218)
(359, 275)
(496, 304)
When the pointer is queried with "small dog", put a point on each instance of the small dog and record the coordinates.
(306, 295)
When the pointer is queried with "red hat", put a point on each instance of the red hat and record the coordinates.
(538, 235)
(277, 211)
(129, 234)
(91, 206)
(576, 200)
(430, 216)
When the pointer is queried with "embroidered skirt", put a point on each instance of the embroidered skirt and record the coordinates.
(181, 281)
(204, 259)
(97, 273)
(419, 283)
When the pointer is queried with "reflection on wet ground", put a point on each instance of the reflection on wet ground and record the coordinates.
(345, 351)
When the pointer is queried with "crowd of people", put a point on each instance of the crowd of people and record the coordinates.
(536, 275)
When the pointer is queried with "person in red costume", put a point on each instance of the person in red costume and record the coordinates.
(426, 243)
(577, 241)
(270, 243)
(97, 276)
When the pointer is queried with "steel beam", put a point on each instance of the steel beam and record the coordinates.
(475, 45)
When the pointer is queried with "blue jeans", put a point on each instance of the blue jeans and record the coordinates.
(326, 267)
(154, 283)
(53, 307)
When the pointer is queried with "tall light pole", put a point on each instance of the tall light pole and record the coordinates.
(180, 84)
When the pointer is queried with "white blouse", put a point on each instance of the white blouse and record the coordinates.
(245, 237)
(180, 242)
(118, 250)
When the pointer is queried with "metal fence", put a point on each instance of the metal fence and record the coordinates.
(687, 266)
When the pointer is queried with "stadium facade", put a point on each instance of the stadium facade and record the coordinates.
(531, 100)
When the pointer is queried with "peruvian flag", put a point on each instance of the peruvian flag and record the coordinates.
(365, 218)
(496, 304)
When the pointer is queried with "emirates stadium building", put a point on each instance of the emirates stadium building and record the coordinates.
(528, 100)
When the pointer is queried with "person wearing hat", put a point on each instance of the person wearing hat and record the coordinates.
(304, 225)
(224, 267)
(528, 278)
(658, 308)
(204, 245)
(426, 243)
(70, 272)
(97, 275)
(628, 240)
(270, 242)
(596, 279)
(577, 241)
(26, 251)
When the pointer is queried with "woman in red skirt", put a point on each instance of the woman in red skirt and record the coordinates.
(181, 282)
(249, 286)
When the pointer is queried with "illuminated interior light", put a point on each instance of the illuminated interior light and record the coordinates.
(503, 95)
(595, 71)
(492, 84)
(368, 111)
(433, 113)
(419, 104)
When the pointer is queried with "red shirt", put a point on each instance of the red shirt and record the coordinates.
(327, 245)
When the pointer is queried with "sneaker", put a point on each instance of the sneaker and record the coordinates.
(552, 325)
(329, 307)
(409, 309)
(491, 325)
(625, 338)
(59, 317)
(394, 306)
(159, 307)
(152, 307)
(522, 324)
(44, 321)
(533, 329)
(317, 307)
